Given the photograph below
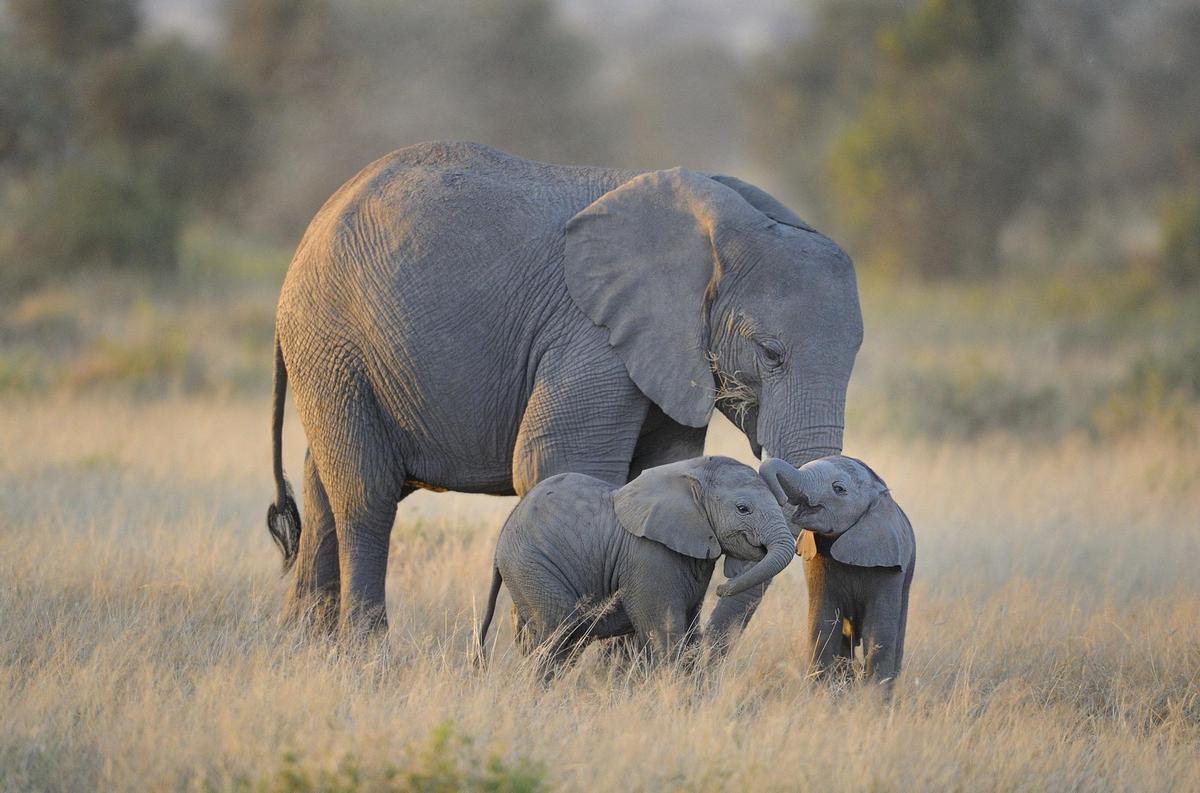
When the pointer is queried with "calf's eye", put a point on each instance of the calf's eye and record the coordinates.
(839, 488)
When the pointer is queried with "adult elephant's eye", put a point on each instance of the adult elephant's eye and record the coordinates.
(745, 510)
(772, 352)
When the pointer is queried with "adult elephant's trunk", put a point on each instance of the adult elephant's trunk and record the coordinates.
(781, 547)
(799, 424)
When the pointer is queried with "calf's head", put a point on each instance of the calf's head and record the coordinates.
(841, 498)
(708, 506)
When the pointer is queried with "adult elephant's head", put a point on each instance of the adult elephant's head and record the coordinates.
(715, 293)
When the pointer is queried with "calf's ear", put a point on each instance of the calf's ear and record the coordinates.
(882, 537)
(665, 504)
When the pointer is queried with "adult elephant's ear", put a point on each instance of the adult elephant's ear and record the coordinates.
(882, 537)
(642, 261)
(665, 504)
(763, 201)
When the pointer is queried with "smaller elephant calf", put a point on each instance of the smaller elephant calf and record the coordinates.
(575, 542)
(859, 554)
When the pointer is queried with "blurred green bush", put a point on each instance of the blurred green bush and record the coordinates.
(971, 401)
(449, 763)
(111, 143)
(970, 138)
(1162, 388)
(71, 31)
(94, 212)
(1180, 260)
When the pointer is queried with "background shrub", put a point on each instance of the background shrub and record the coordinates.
(1180, 261)
(970, 401)
(92, 213)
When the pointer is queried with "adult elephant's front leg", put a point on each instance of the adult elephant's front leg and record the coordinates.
(663, 440)
(583, 417)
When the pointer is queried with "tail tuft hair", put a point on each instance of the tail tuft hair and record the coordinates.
(283, 522)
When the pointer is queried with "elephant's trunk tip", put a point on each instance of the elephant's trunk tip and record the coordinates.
(283, 523)
(779, 554)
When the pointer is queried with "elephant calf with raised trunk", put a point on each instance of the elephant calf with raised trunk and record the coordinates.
(859, 553)
(575, 544)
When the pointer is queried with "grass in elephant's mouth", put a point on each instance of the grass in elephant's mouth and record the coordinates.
(735, 398)
(139, 647)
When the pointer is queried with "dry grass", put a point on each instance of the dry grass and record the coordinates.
(1053, 642)
(1054, 638)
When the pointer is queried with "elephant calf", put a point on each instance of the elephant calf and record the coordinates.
(859, 553)
(575, 541)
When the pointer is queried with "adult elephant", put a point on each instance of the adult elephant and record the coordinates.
(456, 318)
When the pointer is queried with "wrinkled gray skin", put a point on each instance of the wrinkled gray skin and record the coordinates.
(574, 541)
(859, 554)
(456, 318)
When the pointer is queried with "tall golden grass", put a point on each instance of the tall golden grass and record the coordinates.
(1054, 639)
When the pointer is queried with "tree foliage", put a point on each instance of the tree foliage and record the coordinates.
(175, 117)
(920, 130)
(92, 212)
(950, 143)
(36, 109)
(1180, 258)
(1164, 133)
(109, 142)
(74, 30)
(282, 49)
(803, 97)
(343, 83)
(948, 147)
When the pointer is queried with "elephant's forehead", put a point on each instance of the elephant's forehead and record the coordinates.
(857, 469)
(824, 467)
(735, 474)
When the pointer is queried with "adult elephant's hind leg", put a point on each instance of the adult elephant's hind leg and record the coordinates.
(364, 534)
(313, 597)
(364, 480)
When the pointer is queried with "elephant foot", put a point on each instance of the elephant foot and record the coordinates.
(838, 673)
(363, 627)
(315, 614)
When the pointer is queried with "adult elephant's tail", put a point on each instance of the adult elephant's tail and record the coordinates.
(283, 518)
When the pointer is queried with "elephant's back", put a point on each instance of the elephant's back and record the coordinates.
(461, 205)
(454, 241)
(568, 515)
(568, 499)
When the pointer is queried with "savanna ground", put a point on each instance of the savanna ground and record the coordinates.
(1042, 439)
